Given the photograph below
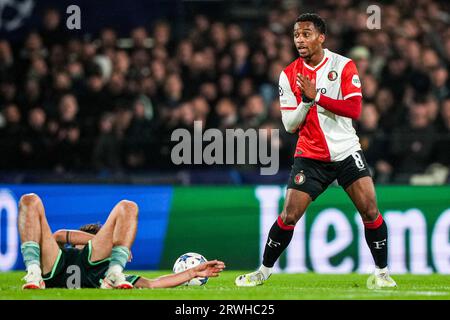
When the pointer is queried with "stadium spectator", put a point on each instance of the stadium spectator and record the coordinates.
(36, 144)
(12, 136)
(139, 36)
(361, 56)
(106, 151)
(33, 96)
(443, 141)
(373, 140)
(440, 81)
(253, 114)
(33, 47)
(226, 86)
(412, 144)
(52, 31)
(240, 54)
(6, 59)
(395, 77)
(369, 87)
(108, 39)
(201, 109)
(8, 92)
(162, 35)
(387, 109)
(138, 137)
(94, 100)
(227, 115)
(173, 91)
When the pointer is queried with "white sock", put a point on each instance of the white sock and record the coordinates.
(265, 271)
(380, 271)
(115, 269)
(34, 268)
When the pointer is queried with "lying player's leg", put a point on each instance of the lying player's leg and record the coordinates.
(362, 193)
(39, 248)
(279, 237)
(114, 241)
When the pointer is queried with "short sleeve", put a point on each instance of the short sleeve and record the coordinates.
(350, 82)
(288, 101)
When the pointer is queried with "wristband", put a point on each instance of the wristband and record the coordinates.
(68, 237)
(317, 98)
(306, 99)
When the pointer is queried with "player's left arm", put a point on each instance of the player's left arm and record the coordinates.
(350, 105)
(206, 269)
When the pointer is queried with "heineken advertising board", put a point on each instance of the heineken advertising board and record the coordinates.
(231, 223)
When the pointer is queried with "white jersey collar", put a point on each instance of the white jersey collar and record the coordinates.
(320, 64)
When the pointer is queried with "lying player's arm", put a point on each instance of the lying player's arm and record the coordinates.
(73, 237)
(206, 269)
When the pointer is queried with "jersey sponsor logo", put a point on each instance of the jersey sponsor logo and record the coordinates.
(332, 75)
(280, 90)
(300, 178)
(355, 81)
(322, 90)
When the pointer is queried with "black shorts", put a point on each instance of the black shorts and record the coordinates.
(314, 176)
(70, 260)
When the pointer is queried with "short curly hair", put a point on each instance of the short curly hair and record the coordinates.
(317, 20)
(91, 228)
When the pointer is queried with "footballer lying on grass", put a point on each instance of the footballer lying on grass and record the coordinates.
(100, 253)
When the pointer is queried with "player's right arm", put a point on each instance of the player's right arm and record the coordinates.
(73, 237)
(206, 269)
(292, 113)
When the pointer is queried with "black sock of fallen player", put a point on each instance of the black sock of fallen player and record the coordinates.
(376, 237)
(280, 236)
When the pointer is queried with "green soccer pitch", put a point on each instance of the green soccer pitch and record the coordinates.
(280, 287)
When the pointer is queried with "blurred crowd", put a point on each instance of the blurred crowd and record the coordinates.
(72, 104)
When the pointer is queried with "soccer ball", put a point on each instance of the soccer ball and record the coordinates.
(187, 261)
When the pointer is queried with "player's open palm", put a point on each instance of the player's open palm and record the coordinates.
(210, 268)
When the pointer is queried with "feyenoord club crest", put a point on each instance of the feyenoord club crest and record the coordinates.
(332, 75)
(299, 178)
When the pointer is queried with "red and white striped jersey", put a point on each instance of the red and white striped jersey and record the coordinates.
(323, 135)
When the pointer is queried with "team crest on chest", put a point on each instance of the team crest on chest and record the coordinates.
(332, 75)
(299, 178)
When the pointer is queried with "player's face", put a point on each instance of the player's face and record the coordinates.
(307, 39)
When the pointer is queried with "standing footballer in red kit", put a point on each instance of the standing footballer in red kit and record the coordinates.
(320, 95)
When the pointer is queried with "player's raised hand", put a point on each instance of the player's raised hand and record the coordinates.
(308, 86)
(209, 269)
